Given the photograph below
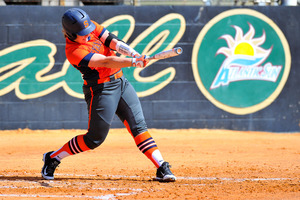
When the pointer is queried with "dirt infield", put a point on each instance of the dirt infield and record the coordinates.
(209, 164)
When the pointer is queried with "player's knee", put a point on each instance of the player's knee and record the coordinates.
(138, 128)
(93, 142)
(96, 136)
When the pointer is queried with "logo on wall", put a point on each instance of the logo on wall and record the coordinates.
(241, 61)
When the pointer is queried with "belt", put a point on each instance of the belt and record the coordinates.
(113, 77)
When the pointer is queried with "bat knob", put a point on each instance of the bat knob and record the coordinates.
(178, 50)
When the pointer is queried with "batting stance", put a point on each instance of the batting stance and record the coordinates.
(90, 49)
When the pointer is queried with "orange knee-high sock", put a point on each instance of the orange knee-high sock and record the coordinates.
(74, 146)
(147, 146)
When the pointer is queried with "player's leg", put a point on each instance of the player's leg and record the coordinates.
(52, 159)
(131, 113)
(102, 101)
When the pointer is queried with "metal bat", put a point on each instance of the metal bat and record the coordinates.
(166, 54)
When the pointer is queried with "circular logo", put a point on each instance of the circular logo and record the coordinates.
(241, 61)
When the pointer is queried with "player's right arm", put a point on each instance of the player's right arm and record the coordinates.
(99, 60)
(82, 58)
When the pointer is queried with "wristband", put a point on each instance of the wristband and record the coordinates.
(133, 62)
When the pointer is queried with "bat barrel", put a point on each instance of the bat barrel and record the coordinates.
(167, 54)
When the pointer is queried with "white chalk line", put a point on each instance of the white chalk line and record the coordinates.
(234, 179)
(139, 177)
(105, 197)
(183, 178)
(56, 183)
(80, 185)
(62, 184)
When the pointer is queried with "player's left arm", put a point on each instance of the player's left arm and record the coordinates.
(113, 42)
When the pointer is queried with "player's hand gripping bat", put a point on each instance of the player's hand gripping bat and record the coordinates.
(166, 54)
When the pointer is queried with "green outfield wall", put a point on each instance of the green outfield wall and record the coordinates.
(239, 69)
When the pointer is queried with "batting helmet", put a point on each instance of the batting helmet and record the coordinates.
(76, 22)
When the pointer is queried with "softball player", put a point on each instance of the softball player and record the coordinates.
(90, 49)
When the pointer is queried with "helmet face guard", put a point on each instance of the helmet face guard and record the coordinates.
(77, 22)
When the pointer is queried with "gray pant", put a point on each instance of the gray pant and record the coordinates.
(104, 101)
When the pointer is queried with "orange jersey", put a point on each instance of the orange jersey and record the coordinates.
(79, 55)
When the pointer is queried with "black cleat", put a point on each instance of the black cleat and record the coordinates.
(49, 167)
(164, 174)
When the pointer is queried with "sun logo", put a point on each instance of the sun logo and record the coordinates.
(244, 58)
